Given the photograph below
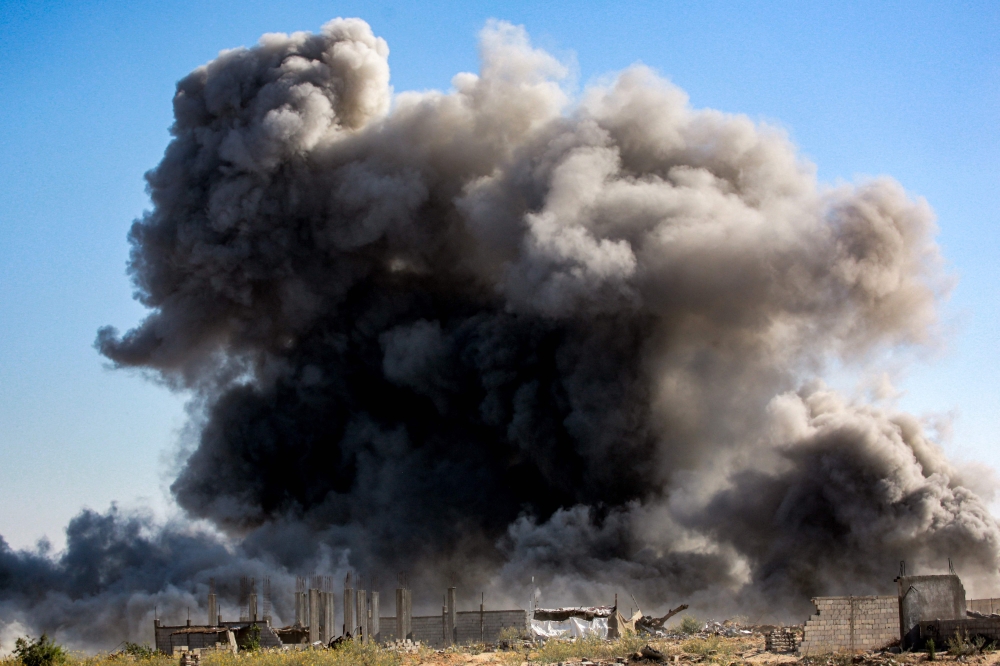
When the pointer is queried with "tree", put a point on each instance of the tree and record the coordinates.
(42, 652)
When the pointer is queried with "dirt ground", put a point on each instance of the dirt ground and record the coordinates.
(720, 651)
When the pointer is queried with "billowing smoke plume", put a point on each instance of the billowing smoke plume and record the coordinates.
(502, 332)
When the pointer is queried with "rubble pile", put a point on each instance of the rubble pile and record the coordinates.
(982, 616)
(189, 658)
(781, 641)
(404, 645)
(728, 629)
(654, 625)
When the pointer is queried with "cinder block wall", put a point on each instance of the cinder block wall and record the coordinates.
(428, 629)
(164, 643)
(470, 627)
(846, 624)
(984, 606)
(387, 628)
(161, 637)
(943, 630)
(476, 627)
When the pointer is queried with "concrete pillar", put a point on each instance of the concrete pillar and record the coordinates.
(361, 614)
(213, 609)
(374, 626)
(322, 617)
(158, 642)
(451, 617)
(349, 604)
(329, 613)
(314, 616)
(252, 608)
(403, 614)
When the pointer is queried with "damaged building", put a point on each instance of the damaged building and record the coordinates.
(924, 608)
(360, 611)
(600, 621)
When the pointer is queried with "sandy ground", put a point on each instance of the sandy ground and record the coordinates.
(747, 650)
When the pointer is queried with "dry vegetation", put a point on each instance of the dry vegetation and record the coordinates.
(698, 649)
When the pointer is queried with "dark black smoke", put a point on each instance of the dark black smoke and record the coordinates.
(499, 333)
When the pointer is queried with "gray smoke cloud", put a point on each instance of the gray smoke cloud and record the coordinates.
(504, 332)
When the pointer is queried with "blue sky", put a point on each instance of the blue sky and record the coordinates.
(909, 89)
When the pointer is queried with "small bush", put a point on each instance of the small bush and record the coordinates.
(138, 651)
(43, 652)
(962, 645)
(510, 636)
(690, 625)
(931, 652)
(252, 641)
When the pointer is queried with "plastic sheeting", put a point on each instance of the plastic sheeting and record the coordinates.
(574, 627)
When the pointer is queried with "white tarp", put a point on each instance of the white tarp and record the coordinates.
(574, 627)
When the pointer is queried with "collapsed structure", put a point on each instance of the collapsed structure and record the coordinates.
(601, 621)
(315, 620)
(924, 608)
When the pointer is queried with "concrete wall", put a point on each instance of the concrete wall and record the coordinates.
(923, 598)
(485, 627)
(388, 632)
(942, 630)
(428, 629)
(984, 606)
(847, 624)
(470, 627)
(165, 641)
(197, 641)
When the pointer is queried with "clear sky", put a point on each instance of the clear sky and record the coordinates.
(909, 89)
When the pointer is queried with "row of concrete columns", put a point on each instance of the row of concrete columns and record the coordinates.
(361, 614)
(314, 609)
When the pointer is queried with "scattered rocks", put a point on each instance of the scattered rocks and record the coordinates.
(782, 641)
(190, 659)
(405, 646)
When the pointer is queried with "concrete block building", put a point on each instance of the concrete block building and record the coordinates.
(924, 608)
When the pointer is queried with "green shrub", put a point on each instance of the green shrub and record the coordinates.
(510, 636)
(138, 651)
(43, 652)
(690, 625)
(961, 644)
(252, 641)
(931, 653)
